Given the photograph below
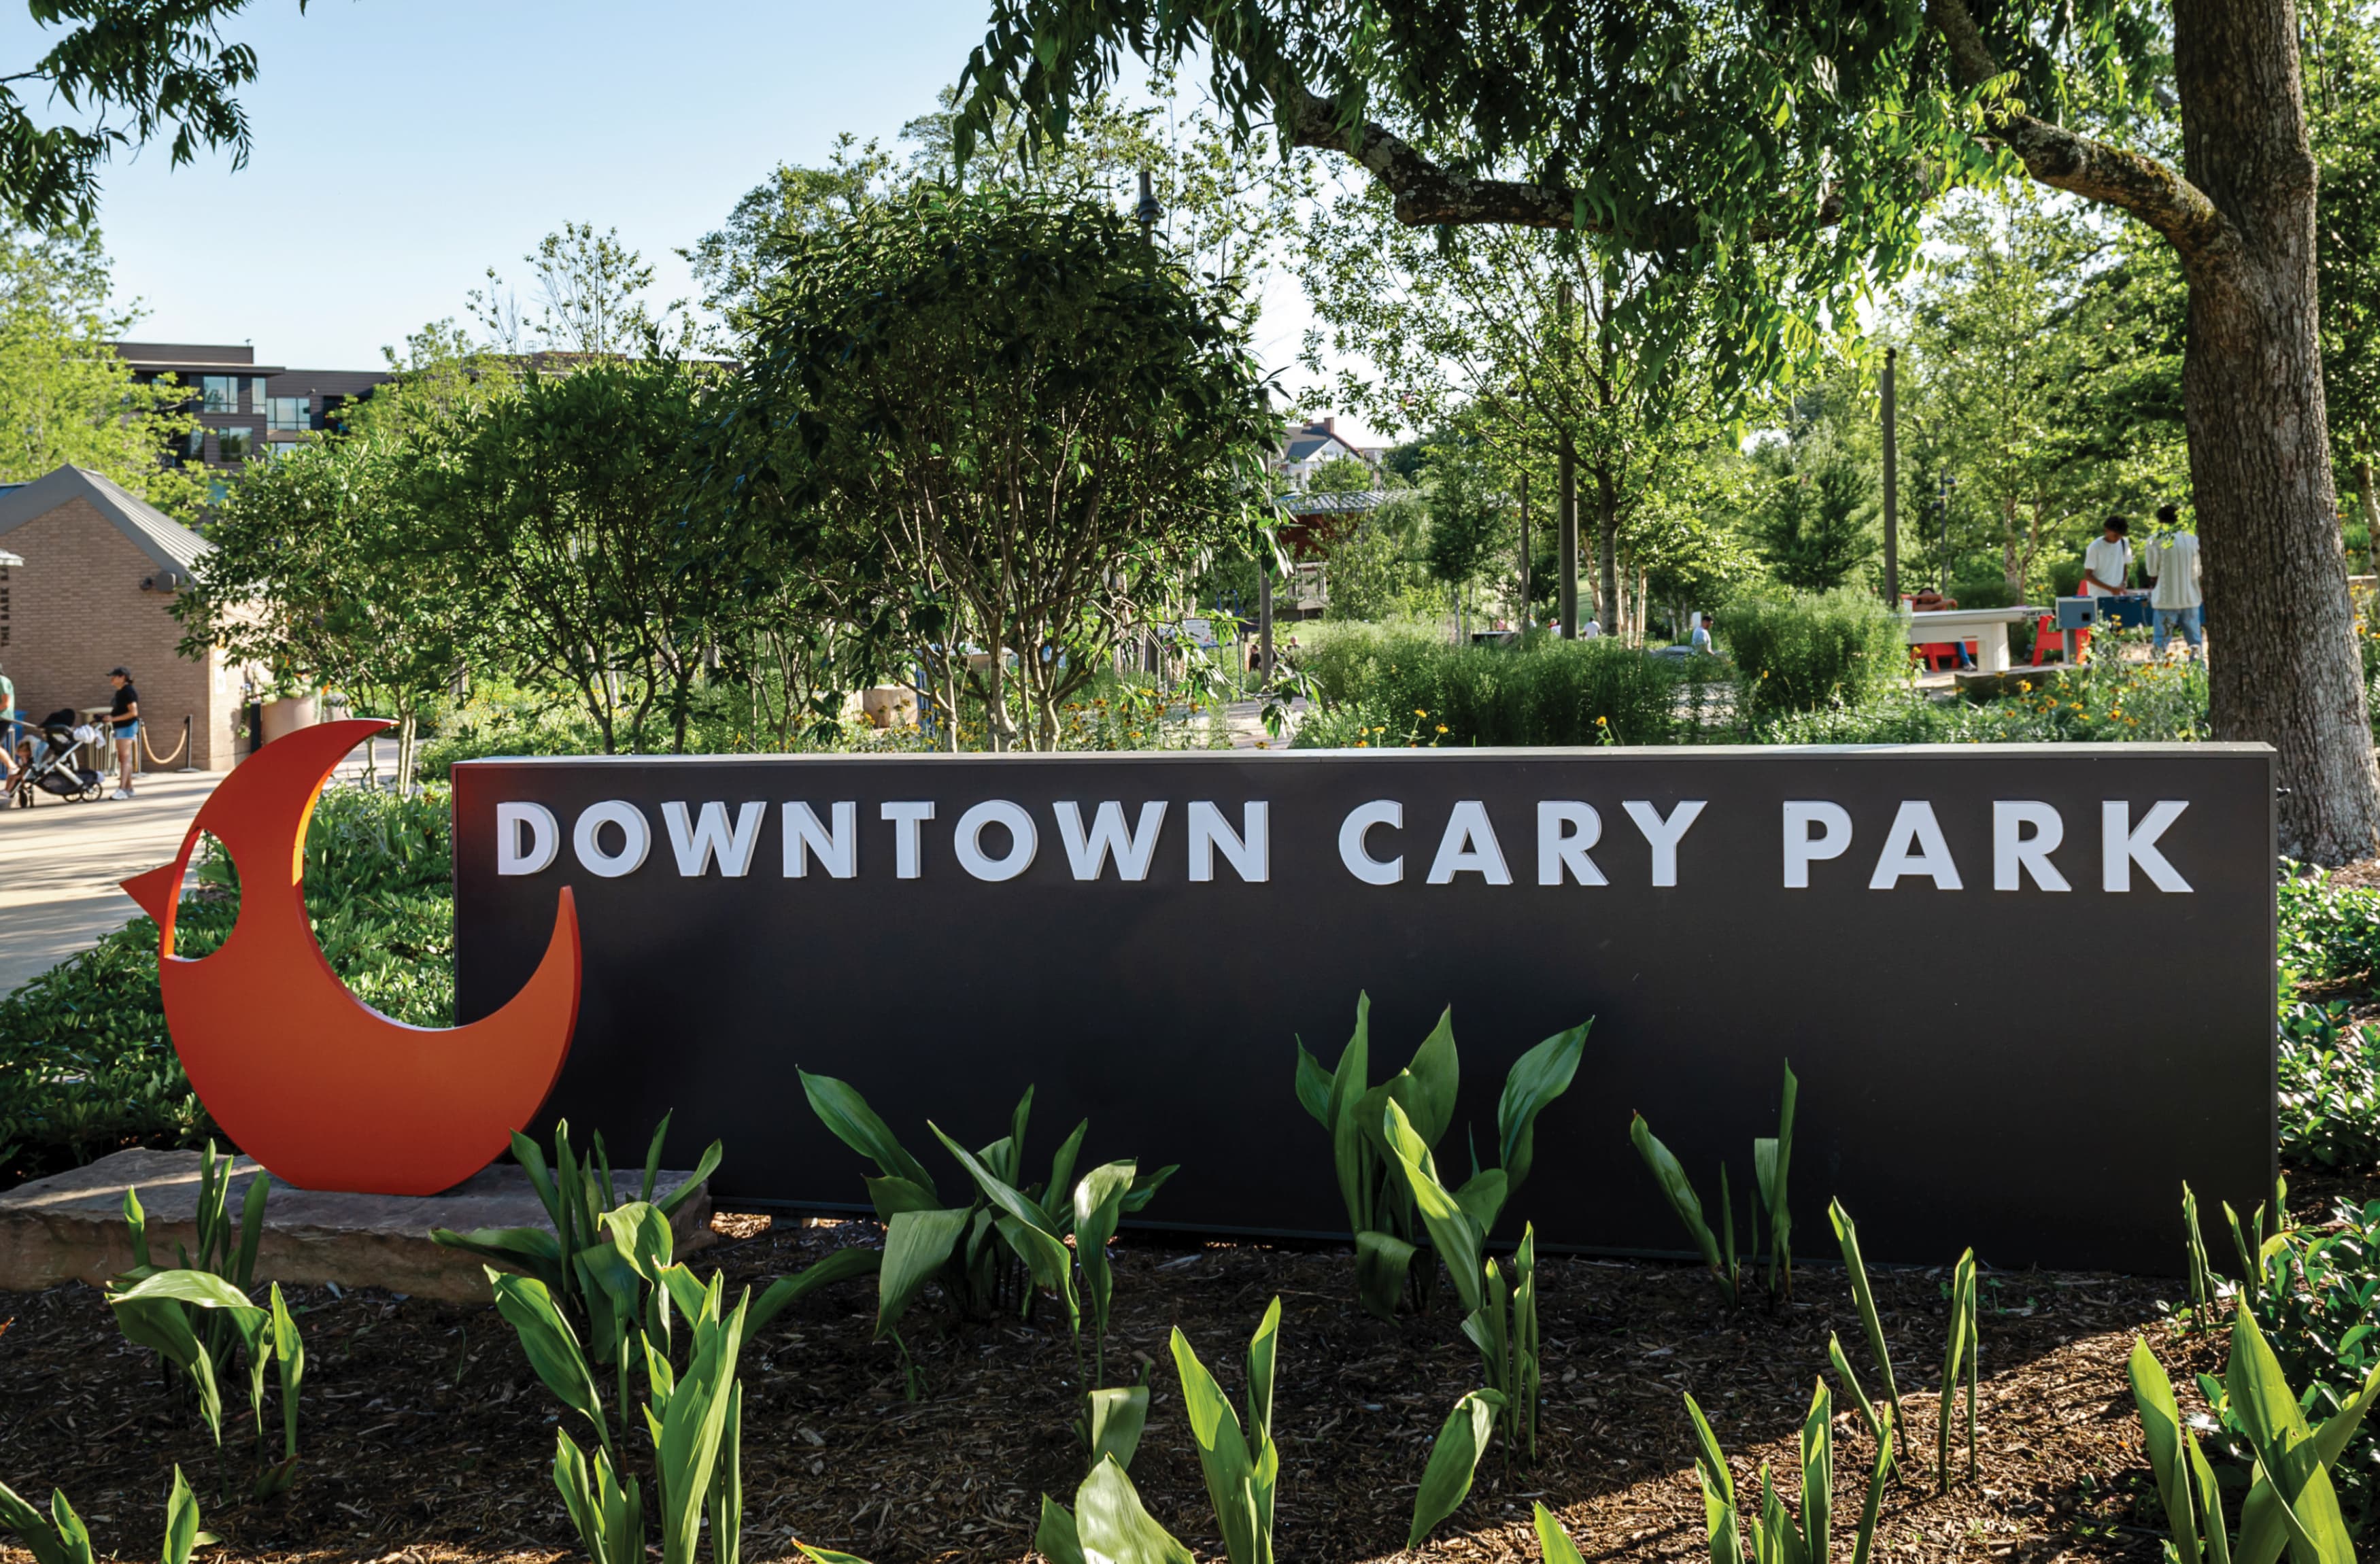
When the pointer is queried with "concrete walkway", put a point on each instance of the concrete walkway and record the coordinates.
(61, 864)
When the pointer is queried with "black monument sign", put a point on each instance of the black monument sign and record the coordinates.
(2028, 990)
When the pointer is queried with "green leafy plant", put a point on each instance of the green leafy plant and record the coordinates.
(1775, 1536)
(199, 1318)
(62, 1538)
(692, 1408)
(577, 1257)
(1240, 1462)
(1108, 1524)
(2316, 1292)
(1864, 1296)
(1380, 1202)
(1959, 1360)
(1500, 1319)
(1008, 1241)
(1772, 1159)
(1454, 1458)
(2292, 1500)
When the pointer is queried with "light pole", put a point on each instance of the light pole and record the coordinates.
(1892, 486)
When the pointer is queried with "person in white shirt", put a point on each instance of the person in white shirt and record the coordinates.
(2108, 560)
(2171, 560)
(1699, 637)
(1590, 630)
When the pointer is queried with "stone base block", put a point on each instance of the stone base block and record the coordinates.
(71, 1227)
(1979, 686)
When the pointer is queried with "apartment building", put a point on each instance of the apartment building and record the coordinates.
(247, 411)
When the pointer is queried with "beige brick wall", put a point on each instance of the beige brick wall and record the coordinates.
(75, 609)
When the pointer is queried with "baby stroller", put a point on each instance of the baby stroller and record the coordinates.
(58, 764)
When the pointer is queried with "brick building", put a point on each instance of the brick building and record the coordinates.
(100, 573)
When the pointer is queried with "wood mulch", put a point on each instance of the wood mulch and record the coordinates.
(426, 1439)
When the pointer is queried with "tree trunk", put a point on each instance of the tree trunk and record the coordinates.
(2010, 571)
(2282, 660)
(1524, 549)
(1607, 548)
(1566, 596)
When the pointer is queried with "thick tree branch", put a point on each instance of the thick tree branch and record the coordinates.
(2130, 182)
(1428, 194)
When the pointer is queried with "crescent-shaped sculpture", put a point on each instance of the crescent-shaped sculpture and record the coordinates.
(324, 1091)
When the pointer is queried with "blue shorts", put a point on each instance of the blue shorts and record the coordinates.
(128, 728)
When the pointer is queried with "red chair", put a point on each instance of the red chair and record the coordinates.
(2047, 640)
(1935, 654)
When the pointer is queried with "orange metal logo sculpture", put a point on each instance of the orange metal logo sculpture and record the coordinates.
(323, 1089)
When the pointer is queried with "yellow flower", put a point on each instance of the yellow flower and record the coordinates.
(1442, 727)
(1419, 712)
(1362, 743)
(1605, 721)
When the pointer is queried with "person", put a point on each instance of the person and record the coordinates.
(123, 716)
(8, 732)
(2107, 561)
(1700, 636)
(1591, 629)
(2171, 560)
(1929, 600)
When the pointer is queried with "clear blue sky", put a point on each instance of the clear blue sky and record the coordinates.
(402, 146)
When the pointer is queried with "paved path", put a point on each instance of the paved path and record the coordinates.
(60, 864)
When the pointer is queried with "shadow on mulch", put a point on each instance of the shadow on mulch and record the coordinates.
(427, 1438)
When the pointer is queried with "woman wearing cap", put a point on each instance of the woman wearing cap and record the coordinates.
(123, 716)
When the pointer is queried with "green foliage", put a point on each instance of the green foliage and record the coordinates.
(960, 1247)
(594, 571)
(127, 75)
(62, 1538)
(1547, 691)
(1454, 1459)
(2293, 1500)
(1812, 524)
(86, 1066)
(693, 1403)
(1241, 1464)
(1382, 1149)
(1775, 1535)
(1864, 1297)
(1813, 650)
(2107, 700)
(1772, 1159)
(1961, 1351)
(1108, 1524)
(594, 1255)
(2330, 1088)
(66, 395)
(153, 1307)
(1010, 401)
(2314, 1290)
(2328, 931)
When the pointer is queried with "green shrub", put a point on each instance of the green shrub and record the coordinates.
(86, 1067)
(1545, 691)
(2327, 931)
(2330, 1087)
(1813, 650)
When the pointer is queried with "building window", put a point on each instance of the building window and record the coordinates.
(191, 446)
(235, 444)
(219, 394)
(285, 412)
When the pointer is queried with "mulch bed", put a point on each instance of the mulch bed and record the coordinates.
(426, 1436)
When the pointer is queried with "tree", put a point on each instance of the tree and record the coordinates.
(64, 395)
(1039, 418)
(2343, 68)
(590, 563)
(317, 575)
(1549, 351)
(589, 300)
(133, 70)
(1813, 523)
(1467, 523)
(1748, 143)
(2034, 371)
